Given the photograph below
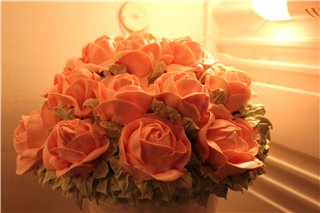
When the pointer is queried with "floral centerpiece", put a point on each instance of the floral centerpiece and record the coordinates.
(141, 120)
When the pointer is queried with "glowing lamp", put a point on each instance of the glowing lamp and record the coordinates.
(273, 10)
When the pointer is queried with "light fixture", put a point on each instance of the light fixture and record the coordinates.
(273, 10)
(278, 10)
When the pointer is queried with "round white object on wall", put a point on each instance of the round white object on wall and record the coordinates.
(133, 17)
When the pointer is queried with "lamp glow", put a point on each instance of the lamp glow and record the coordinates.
(273, 10)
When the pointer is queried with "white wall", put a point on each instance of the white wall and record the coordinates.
(37, 39)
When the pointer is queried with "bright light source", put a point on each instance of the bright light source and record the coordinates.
(273, 10)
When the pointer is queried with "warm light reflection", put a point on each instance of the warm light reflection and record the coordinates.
(273, 10)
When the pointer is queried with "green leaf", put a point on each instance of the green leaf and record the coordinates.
(84, 185)
(77, 197)
(191, 128)
(64, 113)
(55, 185)
(167, 189)
(91, 103)
(114, 164)
(218, 96)
(48, 177)
(149, 37)
(113, 186)
(115, 69)
(165, 111)
(158, 70)
(123, 180)
(264, 120)
(102, 185)
(65, 183)
(113, 129)
(252, 121)
(202, 198)
(253, 110)
(145, 189)
(221, 190)
(101, 170)
(185, 181)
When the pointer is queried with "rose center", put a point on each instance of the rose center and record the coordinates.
(67, 134)
(154, 135)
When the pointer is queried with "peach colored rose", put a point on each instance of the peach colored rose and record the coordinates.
(183, 92)
(185, 55)
(74, 144)
(132, 42)
(232, 74)
(228, 146)
(73, 63)
(72, 95)
(121, 98)
(28, 140)
(237, 91)
(74, 71)
(150, 148)
(101, 50)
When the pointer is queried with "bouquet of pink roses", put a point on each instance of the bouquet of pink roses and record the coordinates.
(143, 120)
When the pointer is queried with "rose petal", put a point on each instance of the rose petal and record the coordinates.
(197, 50)
(220, 111)
(137, 62)
(243, 160)
(213, 82)
(82, 143)
(187, 87)
(119, 111)
(151, 151)
(141, 99)
(240, 95)
(166, 52)
(216, 156)
(152, 49)
(174, 101)
(25, 164)
(168, 176)
(181, 68)
(69, 155)
(182, 54)
(97, 152)
(48, 118)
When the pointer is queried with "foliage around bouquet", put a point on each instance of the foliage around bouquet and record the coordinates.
(141, 120)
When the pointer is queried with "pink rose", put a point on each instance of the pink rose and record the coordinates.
(151, 148)
(28, 140)
(228, 146)
(183, 92)
(70, 93)
(237, 89)
(74, 144)
(121, 98)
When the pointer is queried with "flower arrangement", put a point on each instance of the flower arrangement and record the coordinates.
(144, 120)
